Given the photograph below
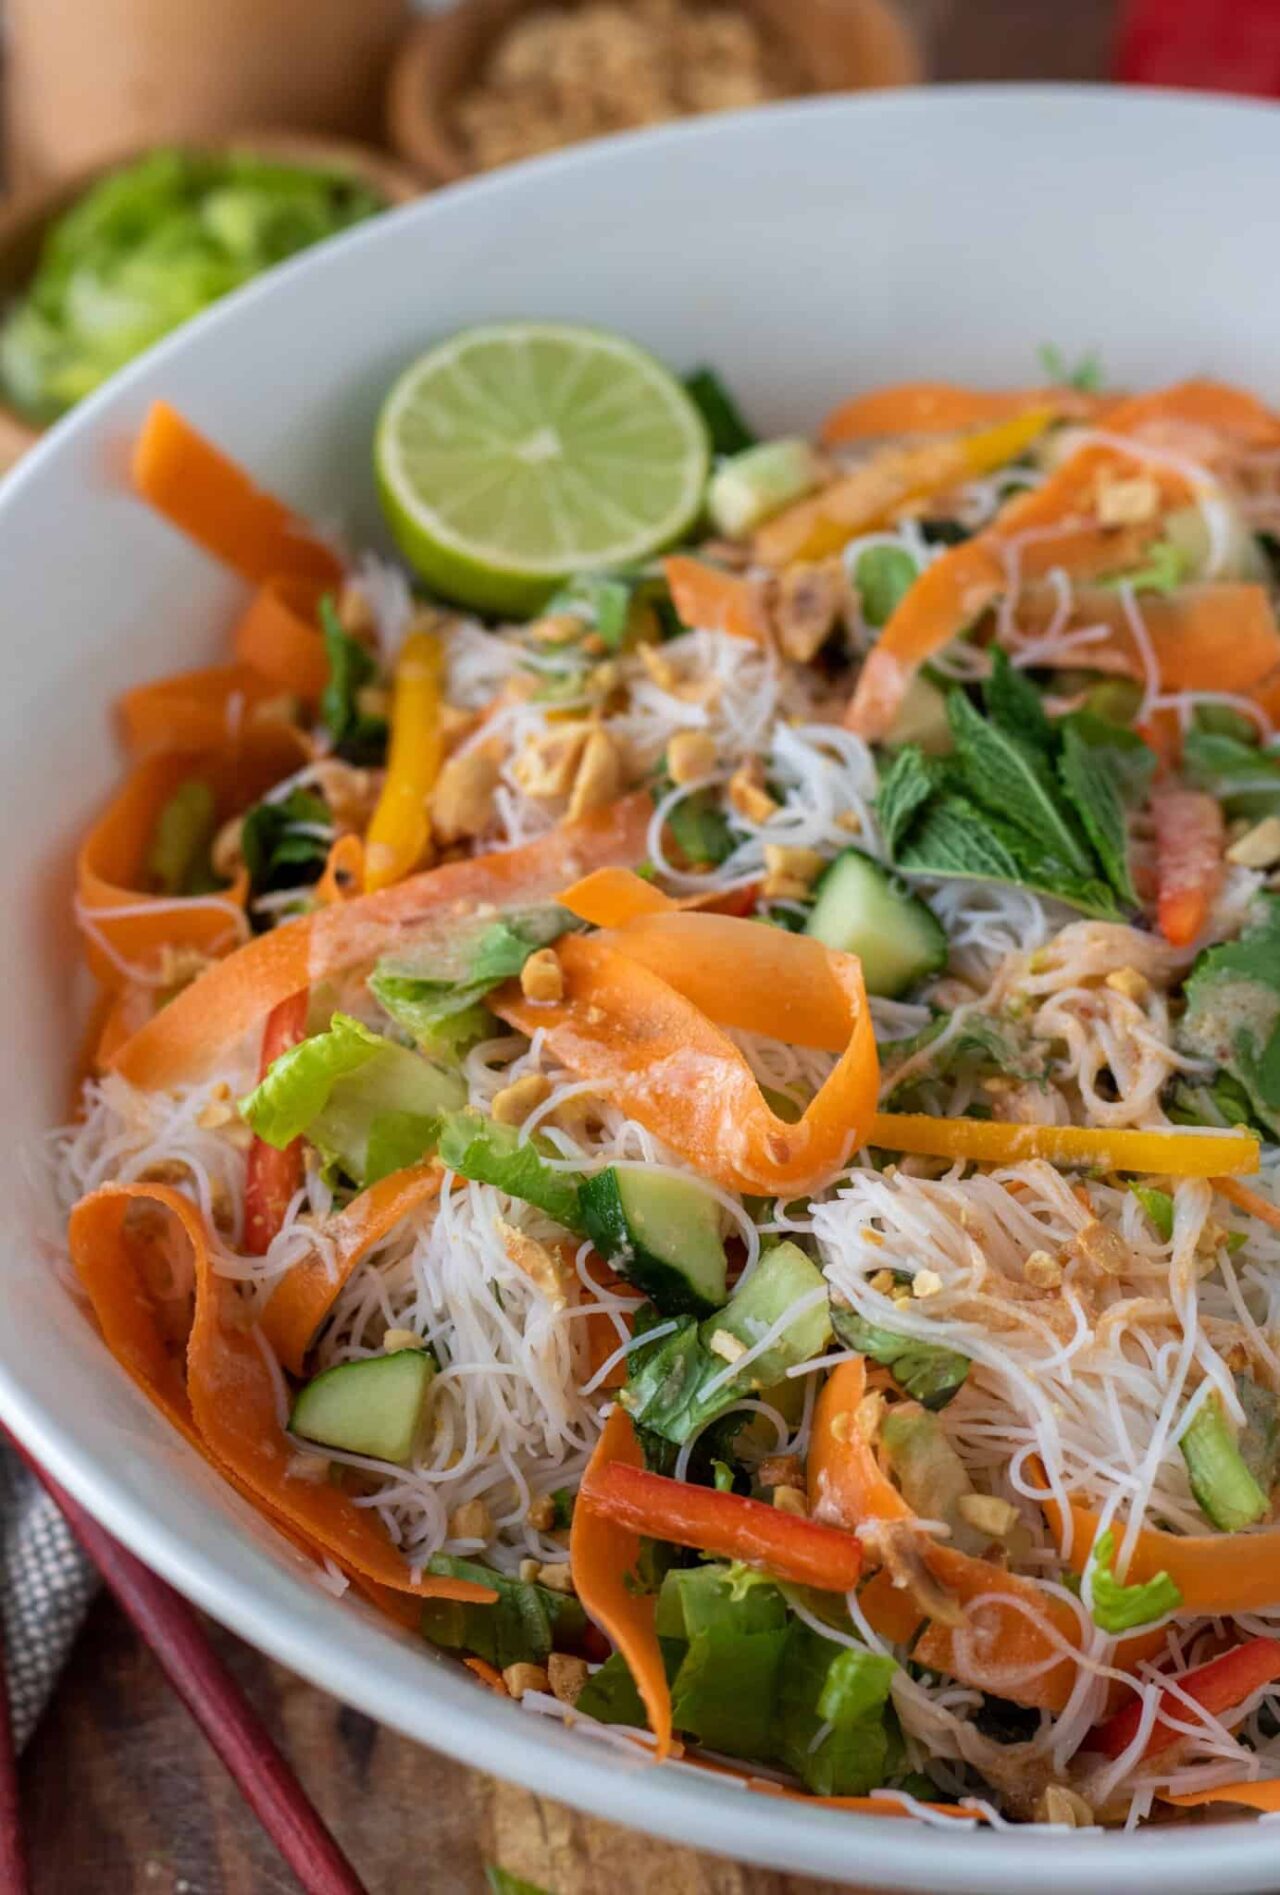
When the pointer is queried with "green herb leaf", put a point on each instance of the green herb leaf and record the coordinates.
(1010, 780)
(1015, 706)
(1245, 779)
(909, 783)
(502, 1882)
(927, 1371)
(729, 432)
(1085, 374)
(279, 843)
(521, 1627)
(1233, 1010)
(1094, 781)
(699, 826)
(357, 738)
(1118, 1608)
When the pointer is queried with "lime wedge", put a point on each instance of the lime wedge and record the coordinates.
(516, 454)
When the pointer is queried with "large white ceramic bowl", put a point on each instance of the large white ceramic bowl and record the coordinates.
(805, 251)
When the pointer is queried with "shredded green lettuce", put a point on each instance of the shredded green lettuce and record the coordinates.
(1118, 1608)
(479, 1148)
(435, 992)
(522, 1626)
(926, 1370)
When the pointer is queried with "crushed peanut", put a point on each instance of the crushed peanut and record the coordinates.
(926, 1283)
(1058, 1804)
(462, 800)
(351, 793)
(226, 854)
(471, 1521)
(600, 776)
(1259, 847)
(528, 1571)
(1129, 982)
(521, 1678)
(790, 873)
(691, 754)
(557, 628)
(220, 1109)
(662, 672)
(747, 793)
(558, 74)
(882, 1282)
(1042, 1271)
(556, 1576)
(541, 1514)
(548, 763)
(566, 1676)
(396, 1340)
(728, 1347)
(542, 1266)
(515, 1102)
(1131, 501)
(781, 1470)
(373, 701)
(869, 1414)
(986, 1513)
(1102, 1249)
(806, 607)
(542, 977)
(791, 1500)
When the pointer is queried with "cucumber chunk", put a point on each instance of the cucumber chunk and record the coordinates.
(661, 1232)
(749, 487)
(860, 908)
(782, 1276)
(373, 1407)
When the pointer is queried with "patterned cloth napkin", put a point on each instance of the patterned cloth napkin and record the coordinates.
(46, 1584)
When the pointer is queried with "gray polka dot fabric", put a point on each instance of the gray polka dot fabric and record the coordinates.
(46, 1584)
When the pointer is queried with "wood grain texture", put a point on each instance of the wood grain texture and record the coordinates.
(120, 1796)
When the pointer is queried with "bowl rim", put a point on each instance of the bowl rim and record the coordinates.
(364, 1668)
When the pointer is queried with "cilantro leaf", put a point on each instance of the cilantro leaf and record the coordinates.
(356, 737)
(1086, 375)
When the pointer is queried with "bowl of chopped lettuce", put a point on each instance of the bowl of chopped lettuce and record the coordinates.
(96, 269)
(644, 1084)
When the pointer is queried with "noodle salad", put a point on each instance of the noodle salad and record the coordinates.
(694, 1114)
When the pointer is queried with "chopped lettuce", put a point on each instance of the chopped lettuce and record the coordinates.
(1225, 1488)
(857, 1686)
(1158, 1206)
(523, 1625)
(716, 1596)
(699, 827)
(354, 1094)
(926, 1370)
(725, 1690)
(435, 992)
(479, 1148)
(1118, 1608)
(848, 1759)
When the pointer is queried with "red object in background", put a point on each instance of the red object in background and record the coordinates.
(1211, 45)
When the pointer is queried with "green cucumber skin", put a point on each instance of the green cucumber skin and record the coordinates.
(371, 1407)
(860, 908)
(612, 1232)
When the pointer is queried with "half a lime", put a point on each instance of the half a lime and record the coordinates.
(516, 454)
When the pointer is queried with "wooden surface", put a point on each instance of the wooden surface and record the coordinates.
(120, 1795)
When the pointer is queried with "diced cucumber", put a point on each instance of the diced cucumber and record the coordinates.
(373, 1407)
(1225, 1490)
(661, 1232)
(748, 487)
(860, 908)
(781, 1278)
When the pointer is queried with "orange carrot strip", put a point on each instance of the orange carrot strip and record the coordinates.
(1246, 1200)
(307, 1292)
(1200, 418)
(602, 1557)
(1210, 637)
(197, 710)
(1190, 839)
(872, 1805)
(216, 1010)
(944, 408)
(278, 637)
(206, 495)
(126, 927)
(709, 599)
(652, 1046)
(343, 877)
(609, 897)
(229, 1403)
(1262, 1795)
(1180, 1154)
(487, 1674)
(1214, 1572)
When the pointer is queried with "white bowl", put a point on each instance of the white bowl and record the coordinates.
(805, 251)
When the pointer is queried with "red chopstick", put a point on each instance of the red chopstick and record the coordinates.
(168, 1625)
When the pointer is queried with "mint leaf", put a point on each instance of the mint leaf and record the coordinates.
(1245, 779)
(1014, 705)
(1233, 1011)
(906, 786)
(1086, 375)
(358, 738)
(1013, 783)
(1095, 785)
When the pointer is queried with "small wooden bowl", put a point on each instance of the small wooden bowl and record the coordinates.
(24, 220)
(838, 46)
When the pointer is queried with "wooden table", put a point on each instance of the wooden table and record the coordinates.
(122, 1798)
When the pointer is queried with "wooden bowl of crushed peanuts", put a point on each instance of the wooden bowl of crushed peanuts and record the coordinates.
(492, 81)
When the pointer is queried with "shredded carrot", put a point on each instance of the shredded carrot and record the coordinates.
(652, 1043)
(1262, 1794)
(1180, 1154)
(206, 495)
(607, 898)
(487, 1674)
(709, 599)
(229, 1404)
(1246, 1200)
(873, 492)
(871, 1805)
(278, 637)
(305, 1294)
(944, 408)
(189, 1034)
(197, 710)
(602, 1558)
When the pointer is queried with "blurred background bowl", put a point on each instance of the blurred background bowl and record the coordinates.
(830, 45)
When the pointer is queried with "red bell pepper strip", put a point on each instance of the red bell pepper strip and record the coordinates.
(271, 1177)
(1189, 845)
(728, 1525)
(1219, 1686)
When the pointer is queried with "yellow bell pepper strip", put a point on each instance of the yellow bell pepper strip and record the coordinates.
(727, 1526)
(1176, 1154)
(305, 1294)
(651, 1045)
(399, 835)
(709, 599)
(208, 496)
(873, 493)
(226, 1404)
(944, 408)
(189, 1034)
(602, 1558)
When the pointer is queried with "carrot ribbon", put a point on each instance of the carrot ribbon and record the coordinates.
(944, 408)
(227, 1403)
(198, 710)
(709, 599)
